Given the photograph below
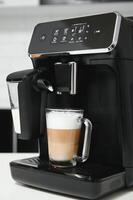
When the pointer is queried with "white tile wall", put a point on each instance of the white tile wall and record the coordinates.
(18, 2)
(13, 57)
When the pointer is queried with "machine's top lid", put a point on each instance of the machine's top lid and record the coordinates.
(84, 35)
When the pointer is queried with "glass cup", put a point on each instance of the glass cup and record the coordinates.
(14, 101)
(63, 133)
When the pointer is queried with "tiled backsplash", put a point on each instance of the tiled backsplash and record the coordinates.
(18, 2)
(13, 57)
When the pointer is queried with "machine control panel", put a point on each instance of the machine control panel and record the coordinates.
(77, 34)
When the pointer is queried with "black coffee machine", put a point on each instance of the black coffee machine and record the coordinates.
(83, 63)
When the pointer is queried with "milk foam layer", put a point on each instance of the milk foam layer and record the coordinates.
(63, 120)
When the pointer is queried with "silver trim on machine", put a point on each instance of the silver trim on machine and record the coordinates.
(73, 77)
(104, 50)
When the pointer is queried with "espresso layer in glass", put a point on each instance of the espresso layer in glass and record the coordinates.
(63, 143)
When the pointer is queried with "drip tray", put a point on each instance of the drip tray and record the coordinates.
(87, 180)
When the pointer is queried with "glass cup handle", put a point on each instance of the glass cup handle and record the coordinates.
(87, 140)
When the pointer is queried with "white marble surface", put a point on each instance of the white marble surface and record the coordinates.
(16, 26)
(10, 190)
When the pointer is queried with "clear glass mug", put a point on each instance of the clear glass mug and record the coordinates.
(63, 133)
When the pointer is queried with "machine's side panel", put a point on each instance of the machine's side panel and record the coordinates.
(126, 94)
(99, 97)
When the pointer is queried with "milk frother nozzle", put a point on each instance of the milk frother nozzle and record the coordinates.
(44, 85)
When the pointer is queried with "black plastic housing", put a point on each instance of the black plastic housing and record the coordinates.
(95, 182)
(104, 91)
(29, 104)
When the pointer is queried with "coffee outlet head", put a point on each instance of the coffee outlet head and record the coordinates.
(81, 63)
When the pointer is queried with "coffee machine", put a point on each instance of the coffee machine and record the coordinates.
(85, 63)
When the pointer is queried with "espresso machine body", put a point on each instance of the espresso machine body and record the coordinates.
(78, 63)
